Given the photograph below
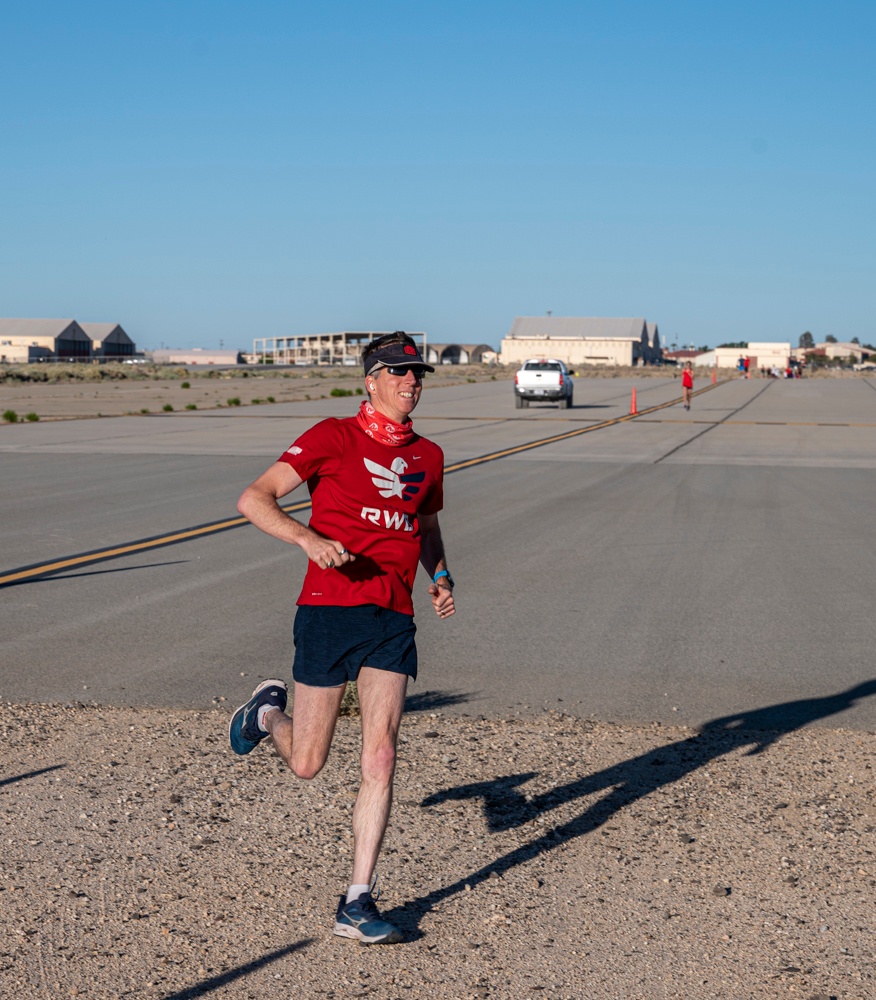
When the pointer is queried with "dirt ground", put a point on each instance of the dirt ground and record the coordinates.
(113, 391)
(527, 856)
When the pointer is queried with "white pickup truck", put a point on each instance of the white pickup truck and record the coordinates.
(543, 379)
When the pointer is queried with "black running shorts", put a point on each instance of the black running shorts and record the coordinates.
(333, 643)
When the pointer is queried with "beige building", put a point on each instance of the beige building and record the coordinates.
(841, 350)
(761, 354)
(23, 340)
(582, 340)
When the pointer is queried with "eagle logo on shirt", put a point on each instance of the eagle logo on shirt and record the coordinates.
(393, 482)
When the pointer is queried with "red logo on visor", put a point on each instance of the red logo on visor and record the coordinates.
(410, 350)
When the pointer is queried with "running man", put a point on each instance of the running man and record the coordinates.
(376, 490)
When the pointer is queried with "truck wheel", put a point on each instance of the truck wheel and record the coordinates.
(564, 402)
(518, 402)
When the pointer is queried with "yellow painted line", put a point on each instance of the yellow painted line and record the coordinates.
(214, 527)
(142, 545)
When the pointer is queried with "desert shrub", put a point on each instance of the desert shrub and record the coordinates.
(234, 401)
(191, 406)
(32, 417)
(186, 385)
(167, 408)
(10, 416)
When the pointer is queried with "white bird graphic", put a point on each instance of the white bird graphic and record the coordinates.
(387, 480)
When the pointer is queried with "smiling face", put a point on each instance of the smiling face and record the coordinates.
(395, 396)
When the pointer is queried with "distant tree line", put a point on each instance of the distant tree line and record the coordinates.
(807, 341)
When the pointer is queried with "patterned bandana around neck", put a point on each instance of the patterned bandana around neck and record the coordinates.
(377, 426)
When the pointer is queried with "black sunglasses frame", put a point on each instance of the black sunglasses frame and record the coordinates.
(402, 370)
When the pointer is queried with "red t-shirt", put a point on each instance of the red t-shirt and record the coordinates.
(367, 495)
(687, 378)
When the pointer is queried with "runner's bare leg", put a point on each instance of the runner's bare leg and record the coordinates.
(314, 715)
(382, 702)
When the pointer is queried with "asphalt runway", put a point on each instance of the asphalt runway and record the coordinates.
(675, 567)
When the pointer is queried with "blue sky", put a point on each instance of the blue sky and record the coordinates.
(218, 171)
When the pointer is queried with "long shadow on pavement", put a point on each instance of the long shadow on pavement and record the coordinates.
(626, 783)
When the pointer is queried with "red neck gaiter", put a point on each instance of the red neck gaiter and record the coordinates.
(377, 426)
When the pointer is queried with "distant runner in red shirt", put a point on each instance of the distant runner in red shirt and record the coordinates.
(376, 489)
(686, 384)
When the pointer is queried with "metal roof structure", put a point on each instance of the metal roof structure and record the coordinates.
(106, 331)
(590, 327)
(342, 348)
(39, 327)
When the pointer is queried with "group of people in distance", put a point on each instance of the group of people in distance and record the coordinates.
(743, 366)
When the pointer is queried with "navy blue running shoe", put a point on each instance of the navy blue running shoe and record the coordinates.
(243, 730)
(361, 920)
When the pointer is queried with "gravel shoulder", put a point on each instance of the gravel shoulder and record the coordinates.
(539, 855)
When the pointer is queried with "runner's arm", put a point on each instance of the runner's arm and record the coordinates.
(433, 560)
(259, 503)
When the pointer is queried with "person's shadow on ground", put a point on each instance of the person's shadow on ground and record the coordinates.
(505, 807)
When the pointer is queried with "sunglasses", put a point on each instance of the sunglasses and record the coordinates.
(402, 370)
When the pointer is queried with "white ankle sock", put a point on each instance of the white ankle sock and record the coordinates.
(260, 718)
(355, 891)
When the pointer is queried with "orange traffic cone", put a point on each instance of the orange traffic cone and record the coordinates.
(633, 410)
(714, 375)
